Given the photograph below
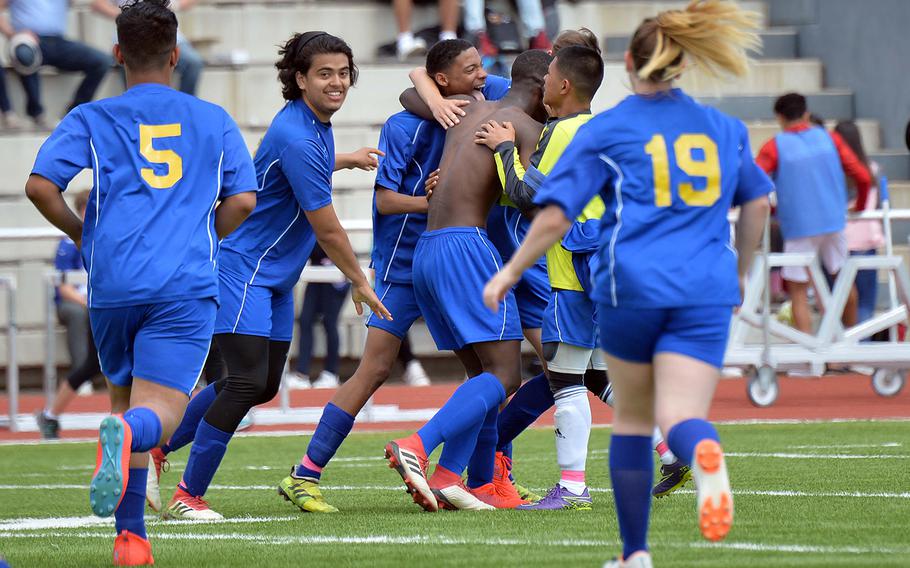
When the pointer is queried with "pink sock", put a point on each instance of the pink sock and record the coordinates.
(573, 476)
(309, 464)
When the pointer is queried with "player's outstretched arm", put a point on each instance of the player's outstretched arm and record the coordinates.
(366, 159)
(48, 199)
(334, 241)
(427, 102)
(548, 227)
(232, 211)
(749, 228)
(105, 8)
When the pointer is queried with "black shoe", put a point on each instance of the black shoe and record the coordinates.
(49, 427)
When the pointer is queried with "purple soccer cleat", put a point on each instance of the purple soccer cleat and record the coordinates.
(561, 498)
(672, 477)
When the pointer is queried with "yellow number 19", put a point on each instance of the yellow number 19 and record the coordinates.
(708, 168)
(147, 135)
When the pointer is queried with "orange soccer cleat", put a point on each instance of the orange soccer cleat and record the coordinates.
(132, 550)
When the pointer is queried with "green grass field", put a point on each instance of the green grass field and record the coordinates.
(806, 495)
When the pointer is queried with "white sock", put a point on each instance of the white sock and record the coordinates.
(50, 416)
(667, 457)
(444, 35)
(573, 428)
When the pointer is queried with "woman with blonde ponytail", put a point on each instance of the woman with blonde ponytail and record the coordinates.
(666, 277)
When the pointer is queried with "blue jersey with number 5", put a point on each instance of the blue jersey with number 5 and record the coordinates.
(161, 161)
(668, 170)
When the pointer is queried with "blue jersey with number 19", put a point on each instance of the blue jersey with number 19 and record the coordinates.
(668, 170)
(161, 161)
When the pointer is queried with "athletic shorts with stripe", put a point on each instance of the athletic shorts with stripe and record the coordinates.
(570, 333)
(532, 293)
(451, 268)
(248, 309)
(165, 343)
(401, 301)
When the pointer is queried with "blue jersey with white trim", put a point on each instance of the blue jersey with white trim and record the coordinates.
(413, 147)
(668, 170)
(161, 161)
(294, 165)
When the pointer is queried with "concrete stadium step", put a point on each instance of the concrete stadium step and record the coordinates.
(893, 163)
(899, 193)
(761, 131)
(777, 43)
(622, 17)
(832, 104)
(251, 94)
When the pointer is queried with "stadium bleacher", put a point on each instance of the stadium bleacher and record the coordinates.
(249, 32)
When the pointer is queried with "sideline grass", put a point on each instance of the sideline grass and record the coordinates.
(806, 495)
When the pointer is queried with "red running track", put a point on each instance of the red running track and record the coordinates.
(828, 398)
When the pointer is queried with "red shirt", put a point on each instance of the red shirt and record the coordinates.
(855, 169)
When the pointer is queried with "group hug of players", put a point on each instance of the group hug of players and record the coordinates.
(628, 263)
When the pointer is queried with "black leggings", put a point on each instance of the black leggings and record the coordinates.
(254, 367)
(88, 369)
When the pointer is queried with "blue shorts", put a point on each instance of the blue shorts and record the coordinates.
(163, 343)
(401, 302)
(532, 293)
(570, 318)
(451, 268)
(248, 309)
(637, 335)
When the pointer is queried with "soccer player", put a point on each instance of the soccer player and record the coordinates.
(666, 283)
(486, 344)
(162, 161)
(570, 327)
(412, 148)
(261, 263)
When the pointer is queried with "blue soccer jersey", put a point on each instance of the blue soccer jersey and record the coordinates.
(294, 165)
(161, 160)
(668, 170)
(496, 87)
(413, 148)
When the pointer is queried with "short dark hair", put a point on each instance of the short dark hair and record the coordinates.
(583, 67)
(297, 56)
(531, 66)
(147, 33)
(791, 106)
(443, 54)
(582, 36)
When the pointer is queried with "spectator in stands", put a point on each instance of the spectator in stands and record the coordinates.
(8, 119)
(72, 311)
(325, 299)
(190, 64)
(532, 21)
(407, 44)
(864, 236)
(46, 20)
(414, 374)
(807, 164)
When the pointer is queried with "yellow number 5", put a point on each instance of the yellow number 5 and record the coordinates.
(147, 135)
(708, 168)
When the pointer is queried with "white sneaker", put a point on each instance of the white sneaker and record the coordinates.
(9, 121)
(410, 46)
(640, 559)
(326, 380)
(86, 389)
(246, 423)
(415, 376)
(296, 381)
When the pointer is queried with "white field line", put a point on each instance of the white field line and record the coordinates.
(847, 446)
(449, 541)
(798, 456)
(736, 491)
(38, 523)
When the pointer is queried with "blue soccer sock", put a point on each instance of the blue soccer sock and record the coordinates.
(632, 472)
(145, 427)
(130, 513)
(530, 401)
(683, 437)
(464, 411)
(208, 449)
(456, 453)
(333, 428)
(481, 464)
(195, 410)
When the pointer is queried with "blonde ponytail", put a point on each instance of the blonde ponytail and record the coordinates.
(712, 34)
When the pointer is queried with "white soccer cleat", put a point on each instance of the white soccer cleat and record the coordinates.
(640, 559)
(185, 506)
(415, 375)
(712, 488)
(451, 493)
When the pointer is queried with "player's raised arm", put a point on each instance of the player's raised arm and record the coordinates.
(425, 100)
